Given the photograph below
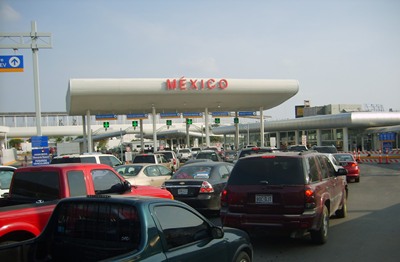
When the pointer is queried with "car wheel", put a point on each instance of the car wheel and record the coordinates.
(320, 236)
(341, 213)
(357, 179)
(243, 257)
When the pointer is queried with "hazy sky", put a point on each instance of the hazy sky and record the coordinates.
(340, 51)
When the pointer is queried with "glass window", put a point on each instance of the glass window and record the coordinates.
(164, 171)
(105, 160)
(42, 185)
(312, 167)
(76, 183)
(268, 170)
(327, 169)
(152, 171)
(89, 159)
(103, 180)
(92, 231)
(181, 226)
(5, 178)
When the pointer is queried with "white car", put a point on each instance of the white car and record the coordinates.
(6, 173)
(144, 174)
(106, 159)
(184, 154)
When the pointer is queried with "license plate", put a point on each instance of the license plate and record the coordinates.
(264, 199)
(182, 191)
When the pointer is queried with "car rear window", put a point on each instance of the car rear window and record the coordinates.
(42, 185)
(144, 159)
(274, 170)
(94, 231)
(193, 172)
(63, 160)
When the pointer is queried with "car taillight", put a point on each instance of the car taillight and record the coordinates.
(353, 164)
(309, 198)
(224, 197)
(206, 187)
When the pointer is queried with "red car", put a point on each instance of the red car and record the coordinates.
(347, 161)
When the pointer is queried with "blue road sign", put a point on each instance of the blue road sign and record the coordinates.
(246, 113)
(137, 116)
(40, 141)
(192, 114)
(221, 114)
(40, 157)
(169, 115)
(11, 63)
(106, 117)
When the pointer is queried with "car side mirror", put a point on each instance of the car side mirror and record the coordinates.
(342, 172)
(217, 232)
(127, 186)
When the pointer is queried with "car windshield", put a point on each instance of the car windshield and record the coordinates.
(193, 172)
(268, 171)
(343, 158)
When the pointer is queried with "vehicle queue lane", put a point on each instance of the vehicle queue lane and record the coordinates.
(370, 232)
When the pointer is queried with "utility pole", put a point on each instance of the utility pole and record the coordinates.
(30, 40)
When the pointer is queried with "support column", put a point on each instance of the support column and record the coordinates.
(85, 138)
(278, 140)
(89, 130)
(141, 135)
(207, 129)
(187, 136)
(345, 139)
(318, 132)
(262, 127)
(153, 112)
(236, 133)
(296, 137)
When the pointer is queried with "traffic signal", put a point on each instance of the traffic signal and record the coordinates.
(236, 120)
(189, 121)
(106, 125)
(169, 122)
(217, 120)
(135, 123)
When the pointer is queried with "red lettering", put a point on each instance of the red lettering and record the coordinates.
(193, 84)
(210, 83)
(171, 85)
(182, 83)
(223, 83)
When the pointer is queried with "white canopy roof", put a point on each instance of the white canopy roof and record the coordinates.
(130, 96)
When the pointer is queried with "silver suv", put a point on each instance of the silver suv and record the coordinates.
(88, 158)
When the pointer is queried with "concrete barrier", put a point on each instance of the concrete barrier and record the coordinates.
(376, 156)
(9, 156)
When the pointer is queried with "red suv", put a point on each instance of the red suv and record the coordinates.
(291, 192)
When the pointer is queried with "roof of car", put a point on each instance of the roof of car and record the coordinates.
(207, 163)
(64, 166)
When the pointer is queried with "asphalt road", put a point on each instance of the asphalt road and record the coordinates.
(370, 232)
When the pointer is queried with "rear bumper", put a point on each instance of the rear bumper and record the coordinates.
(202, 201)
(257, 222)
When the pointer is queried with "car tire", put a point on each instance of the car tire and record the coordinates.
(342, 213)
(243, 257)
(320, 236)
(357, 179)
